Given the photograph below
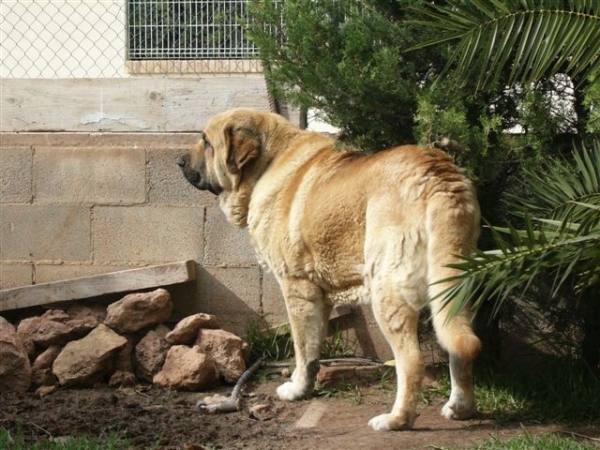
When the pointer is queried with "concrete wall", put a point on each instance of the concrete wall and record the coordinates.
(82, 204)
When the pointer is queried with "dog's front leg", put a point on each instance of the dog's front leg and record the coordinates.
(308, 315)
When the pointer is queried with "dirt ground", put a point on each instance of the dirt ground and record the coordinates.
(153, 418)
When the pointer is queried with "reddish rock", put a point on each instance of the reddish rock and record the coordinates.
(140, 310)
(41, 370)
(124, 360)
(186, 368)
(162, 330)
(55, 327)
(186, 331)
(43, 331)
(85, 360)
(80, 310)
(122, 378)
(150, 354)
(42, 391)
(261, 412)
(56, 315)
(15, 369)
(228, 351)
(354, 374)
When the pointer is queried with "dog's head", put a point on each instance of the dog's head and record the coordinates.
(229, 143)
(230, 157)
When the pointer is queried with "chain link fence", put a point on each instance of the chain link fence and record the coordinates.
(117, 38)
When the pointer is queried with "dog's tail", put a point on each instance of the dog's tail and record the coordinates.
(453, 229)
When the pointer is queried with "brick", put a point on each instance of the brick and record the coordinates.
(147, 234)
(226, 244)
(166, 183)
(15, 175)
(15, 275)
(232, 294)
(90, 175)
(272, 300)
(354, 374)
(44, 232)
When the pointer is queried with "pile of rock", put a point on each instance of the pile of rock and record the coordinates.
(122, 344)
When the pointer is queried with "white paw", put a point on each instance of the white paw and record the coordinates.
(291, 391)
(380, 423)
(458, 411)
(387, 422)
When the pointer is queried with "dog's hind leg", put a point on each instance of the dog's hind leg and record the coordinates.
(308, 315)
(398, 323)
(394, 279)
(457, 337)
(453, 231)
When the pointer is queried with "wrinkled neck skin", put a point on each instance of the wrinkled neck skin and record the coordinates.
(235, 203)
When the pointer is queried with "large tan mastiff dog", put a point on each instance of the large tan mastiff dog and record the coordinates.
(335, 225)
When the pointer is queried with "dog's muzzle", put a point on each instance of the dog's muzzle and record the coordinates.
(195, 178)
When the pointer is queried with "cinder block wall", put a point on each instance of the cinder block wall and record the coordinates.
(76, 204)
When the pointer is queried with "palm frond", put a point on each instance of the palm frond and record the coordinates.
(495, 275)
(563, 240)
(529, 38)
(559, 187)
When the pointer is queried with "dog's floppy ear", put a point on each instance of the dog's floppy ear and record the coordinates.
(243, 146)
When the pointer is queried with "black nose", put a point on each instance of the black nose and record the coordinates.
(180, 162)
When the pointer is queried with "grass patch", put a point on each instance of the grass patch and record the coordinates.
(338, 345)
(556, 391)
(348, 391)
(527, 441)
(9, 442)
(274, 343)
(560, 391)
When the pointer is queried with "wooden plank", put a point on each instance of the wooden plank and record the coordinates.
(97, 285)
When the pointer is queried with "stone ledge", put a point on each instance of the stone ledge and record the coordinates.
(104, 139)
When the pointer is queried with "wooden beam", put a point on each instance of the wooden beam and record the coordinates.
(97, 285)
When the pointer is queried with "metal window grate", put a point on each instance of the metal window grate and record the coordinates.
(188, 29)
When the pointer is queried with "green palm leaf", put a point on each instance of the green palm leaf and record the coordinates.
(529, 38)
(561, 187)
(563, 240)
